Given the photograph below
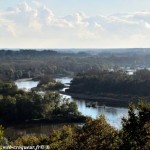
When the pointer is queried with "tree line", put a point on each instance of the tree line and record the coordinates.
(96, 134)
(112, 82)
(36, 64)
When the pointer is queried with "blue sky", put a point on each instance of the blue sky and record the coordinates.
(74, 23)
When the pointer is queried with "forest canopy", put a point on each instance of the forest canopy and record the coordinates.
(17, 105)
(112, 82)
(28, 63)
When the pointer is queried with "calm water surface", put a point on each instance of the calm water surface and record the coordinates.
(26, 84)
(112, 114)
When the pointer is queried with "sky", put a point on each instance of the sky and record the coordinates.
(74, 23)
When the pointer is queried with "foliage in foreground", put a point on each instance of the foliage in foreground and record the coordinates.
(136, 128)
(1, 133)
(97, 134)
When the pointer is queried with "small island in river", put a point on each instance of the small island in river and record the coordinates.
(32, 107)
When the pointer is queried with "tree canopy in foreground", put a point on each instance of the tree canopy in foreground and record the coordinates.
(97, 134)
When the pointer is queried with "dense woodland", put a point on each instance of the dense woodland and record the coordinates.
(36, 64)
(112, 83)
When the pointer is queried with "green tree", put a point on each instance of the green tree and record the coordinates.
(51, 102)
(8, 109)
(73, 108)
(136, 128)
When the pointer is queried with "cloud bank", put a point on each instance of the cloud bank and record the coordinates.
(37, 26)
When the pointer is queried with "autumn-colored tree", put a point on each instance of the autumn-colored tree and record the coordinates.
(27, 140)
(1, 134)
(97, 134)
(61, 139)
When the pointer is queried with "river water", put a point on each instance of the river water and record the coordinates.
(113, 114)
(26, 84)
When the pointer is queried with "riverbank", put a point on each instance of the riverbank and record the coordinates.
(104, 100)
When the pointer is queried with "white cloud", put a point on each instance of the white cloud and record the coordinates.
(147, 25)
(38, 26)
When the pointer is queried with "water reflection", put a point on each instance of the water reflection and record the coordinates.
(112, 114)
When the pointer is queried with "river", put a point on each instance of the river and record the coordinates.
(113, 114)
(26, 84)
